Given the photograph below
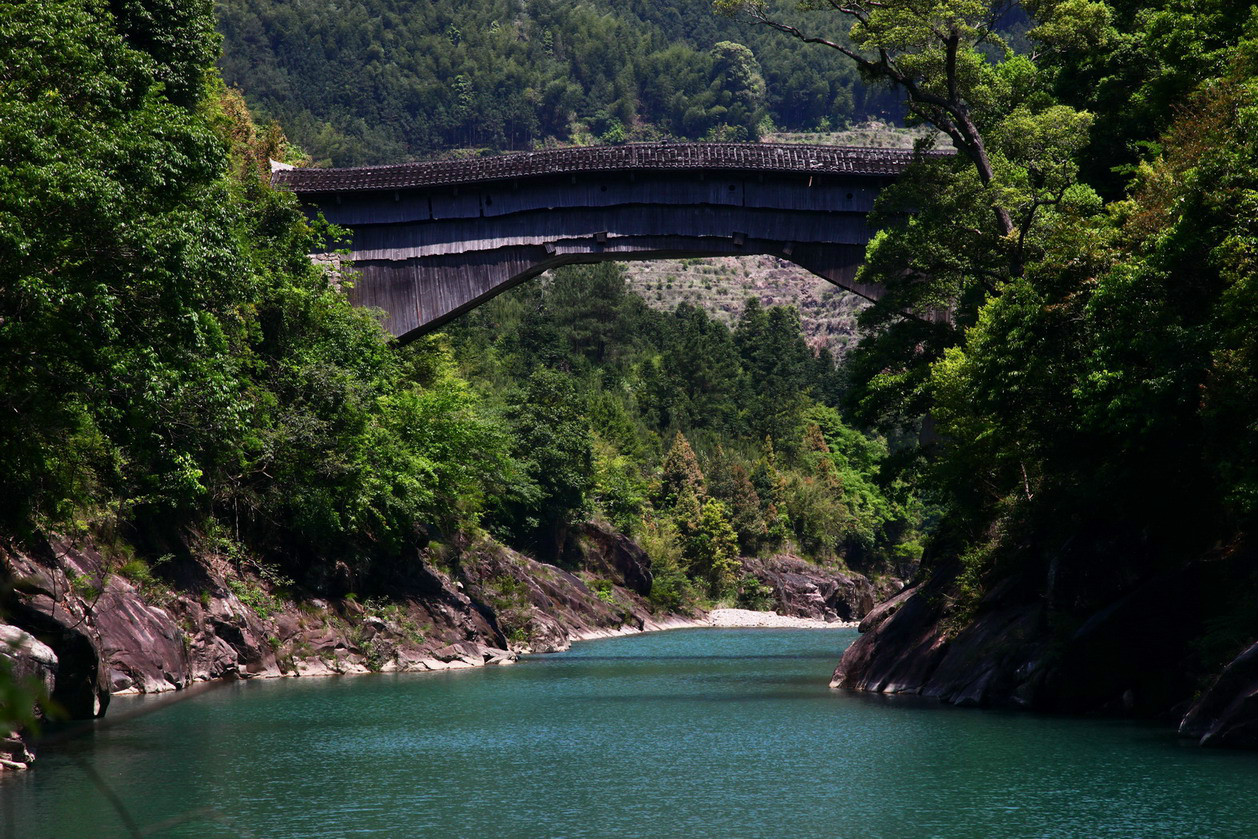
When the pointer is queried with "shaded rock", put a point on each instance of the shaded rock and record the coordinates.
(57, 588)
(983, 665)
(28, 657)
(80, 687)
(29, 660)
(1128, 656)
(901, 646)
(1227, 714)
(605, 553)
(541, 608)
(15, 753)
(885, 609)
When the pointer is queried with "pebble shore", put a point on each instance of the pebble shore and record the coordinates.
(738, 618)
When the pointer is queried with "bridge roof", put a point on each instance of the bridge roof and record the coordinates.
(634, 157)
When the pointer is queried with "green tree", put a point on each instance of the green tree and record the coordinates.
(699, 373)
(742, 85)
(178, 36)
(708, 542)
(125, 273)
(731, 484)
(939, 55)
(954, 231)
(175, 359)
(553, 442)
(680, 474)
(775, 364)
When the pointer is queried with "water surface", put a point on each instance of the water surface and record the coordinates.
(690, 733)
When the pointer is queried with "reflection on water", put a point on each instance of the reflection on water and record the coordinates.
(697, 733)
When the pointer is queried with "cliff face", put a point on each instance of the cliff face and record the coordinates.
(1137, 653)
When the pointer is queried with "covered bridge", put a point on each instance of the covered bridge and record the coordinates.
(434, 239)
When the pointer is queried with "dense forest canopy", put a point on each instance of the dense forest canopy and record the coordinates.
(705, 442)
(379, 82)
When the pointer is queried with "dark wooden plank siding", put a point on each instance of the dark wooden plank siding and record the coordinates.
(408, 241)
(432, 240)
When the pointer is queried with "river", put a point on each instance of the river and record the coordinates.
(688, 733)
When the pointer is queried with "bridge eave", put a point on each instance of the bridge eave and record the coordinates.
(742, 158)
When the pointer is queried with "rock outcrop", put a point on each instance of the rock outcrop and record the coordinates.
(543, 608)
(44, 600)
(1227, 714)
(113, 635)
(1133, 655)
(85, 631)
(33, 666)
(597, 548)
(804, 590)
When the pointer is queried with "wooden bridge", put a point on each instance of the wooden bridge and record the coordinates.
(432, 240)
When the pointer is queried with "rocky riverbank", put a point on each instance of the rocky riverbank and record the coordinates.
(86, 626)
(1137, 652)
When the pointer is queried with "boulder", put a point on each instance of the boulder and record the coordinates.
(28, 657)
(468, 652)
(899, 649)
(29, 660)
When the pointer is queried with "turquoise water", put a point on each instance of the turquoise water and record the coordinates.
(691, 733)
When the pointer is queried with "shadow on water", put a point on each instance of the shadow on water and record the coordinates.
(820, 683)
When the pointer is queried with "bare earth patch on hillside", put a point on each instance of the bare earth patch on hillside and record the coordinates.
(721, 286)
(873, 134)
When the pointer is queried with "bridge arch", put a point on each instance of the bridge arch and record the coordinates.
(433, 240)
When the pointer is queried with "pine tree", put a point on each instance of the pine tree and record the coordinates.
(746, 514)
(680, 474)
(708, 542)
(775, 363)
(731, 484)
(770, 486)
(819, 451)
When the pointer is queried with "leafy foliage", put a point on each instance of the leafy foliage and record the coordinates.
(173, 356)
(382, 82)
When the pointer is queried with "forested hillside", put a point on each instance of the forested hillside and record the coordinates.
(705, 443)
(198, 373)
(381, 82)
